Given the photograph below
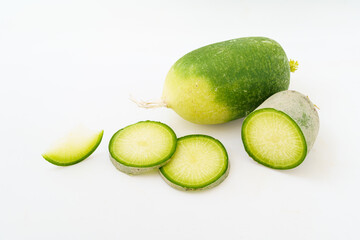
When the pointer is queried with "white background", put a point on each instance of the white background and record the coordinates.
(68, 62)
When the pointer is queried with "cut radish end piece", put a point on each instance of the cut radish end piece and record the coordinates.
(142, 147)
(76, 146)
(199, 162)
(274, 139)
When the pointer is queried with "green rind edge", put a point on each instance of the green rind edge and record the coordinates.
(47, 158)
(149, 165)
(247, 148)
(203, 186)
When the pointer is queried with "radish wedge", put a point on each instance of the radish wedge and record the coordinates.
(79, 144)
(199, 162)
(281, 132)
(141, 147)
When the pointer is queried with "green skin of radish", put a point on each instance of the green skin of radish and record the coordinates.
(226, 80)
(301, 110)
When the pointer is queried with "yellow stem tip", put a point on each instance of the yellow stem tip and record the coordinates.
(294, 65)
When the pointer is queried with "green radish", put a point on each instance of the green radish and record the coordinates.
(282, 130)
(142, 147)
(79, 144)
(226, 80)
(199, 162)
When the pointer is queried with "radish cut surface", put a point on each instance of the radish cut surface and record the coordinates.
(272, 138)
(76, 146)
(142, 146)
(282, 130)
(199, 162)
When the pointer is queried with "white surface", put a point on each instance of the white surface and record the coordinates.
(68, 62)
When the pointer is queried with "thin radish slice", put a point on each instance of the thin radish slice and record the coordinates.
(199, 162)
(141, 147)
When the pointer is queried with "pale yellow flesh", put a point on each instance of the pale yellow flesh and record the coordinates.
(274, 139)
(194, 100)
(74, 146)
(196, 162)
(142, 144)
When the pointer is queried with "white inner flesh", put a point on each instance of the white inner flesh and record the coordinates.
(196, 161)
(143, 144)
(273, 139)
